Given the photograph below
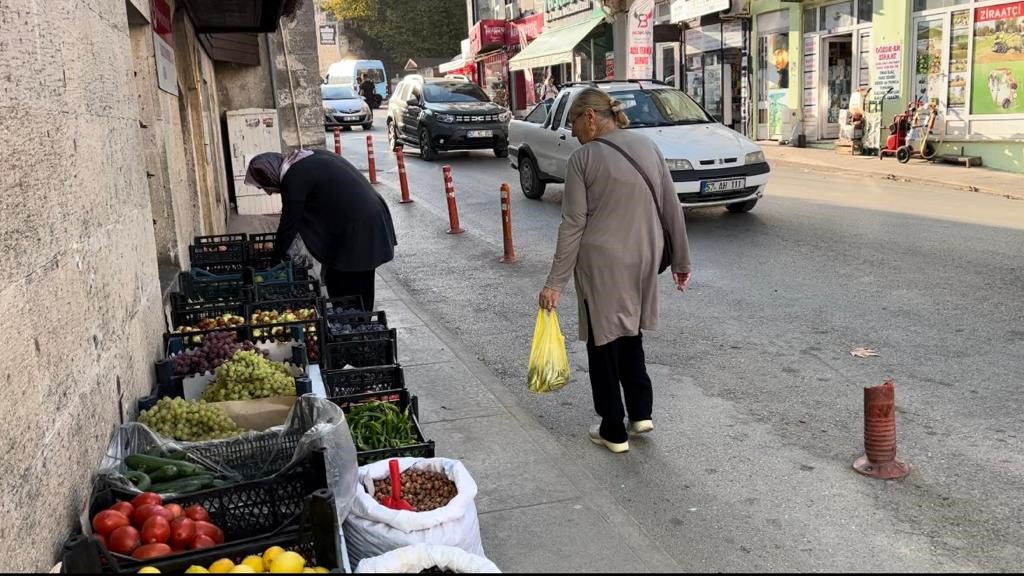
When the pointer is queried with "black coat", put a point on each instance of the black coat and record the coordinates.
(344, 222)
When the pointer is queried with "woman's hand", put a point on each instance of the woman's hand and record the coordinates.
(682, 280)
(548, 298)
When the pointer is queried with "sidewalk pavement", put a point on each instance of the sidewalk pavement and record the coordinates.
(976, 179)
(540, 511)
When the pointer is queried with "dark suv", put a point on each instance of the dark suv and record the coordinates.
(441, 114)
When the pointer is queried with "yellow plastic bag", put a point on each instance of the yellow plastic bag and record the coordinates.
(549, 362)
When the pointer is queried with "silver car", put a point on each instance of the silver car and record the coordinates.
(343, 107)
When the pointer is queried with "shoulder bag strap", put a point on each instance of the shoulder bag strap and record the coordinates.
(650, 185)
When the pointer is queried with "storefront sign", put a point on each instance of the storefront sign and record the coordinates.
(704, 39)
(888, 69)
(556, 9)
(486, 34)
(687, 9)
(163, 39)
(998, 71)
(641, 40)
(609, 64)
(732, 34)
(522, 31)
(328, 34)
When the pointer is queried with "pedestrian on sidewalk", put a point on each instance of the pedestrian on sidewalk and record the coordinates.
(610, 240)
(343, 222)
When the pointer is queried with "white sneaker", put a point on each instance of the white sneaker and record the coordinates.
(641, 426)
(595, 437)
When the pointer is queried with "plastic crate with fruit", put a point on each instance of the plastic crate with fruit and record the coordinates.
(348, 326)
(362, 353)
(360, 380)
(296, 498)
(191, 322)
(270, 291)
(207, 251)
(385, 424)
(259, 250)
(290, 319)
(193, 291)
(343, 305)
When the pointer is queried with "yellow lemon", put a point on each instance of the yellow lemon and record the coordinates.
(149, 570)
(308, 570)
(222, 566)
(193, 569)
(269, 554)
(255, 562)
(321, 570)
(288, 563)
(242, 568)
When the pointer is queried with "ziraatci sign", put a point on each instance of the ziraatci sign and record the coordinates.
(687, 9)
(555, 9)
(486, 34)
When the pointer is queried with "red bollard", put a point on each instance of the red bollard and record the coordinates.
(879, 460)
(371, 160)
(337, 141)
(401, 175)
(506, 225)
(453, 209)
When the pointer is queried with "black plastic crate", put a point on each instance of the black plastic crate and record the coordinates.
(403, 400)
(360, 353)
(358, 326)
(218, 250)
(343, 305)
(259, 249)
(360, 380)
(309, 330)
(198, 291)
(271, 291)
(270, 271)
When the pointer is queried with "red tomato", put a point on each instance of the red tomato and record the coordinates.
(107, 521)
(175, 509)
(183, 532)
(124, 540)
(210, 530)
(202, 541)
(143, 513)
(197, 513)
(147, 498)
(123, 507)
(156, 529)
(151, 551)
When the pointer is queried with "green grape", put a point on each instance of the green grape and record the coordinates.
(188, 420)
(248, 375)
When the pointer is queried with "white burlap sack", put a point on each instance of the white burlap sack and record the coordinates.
(412, 559)
(372, 529)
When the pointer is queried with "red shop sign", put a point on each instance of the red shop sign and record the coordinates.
(530, 27)
(486, 34)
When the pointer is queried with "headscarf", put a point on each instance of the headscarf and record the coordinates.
(267, 170)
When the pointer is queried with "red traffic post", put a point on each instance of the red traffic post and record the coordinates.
(453, 208)
(506, 224)
(371, 160)
(879, 460)
(402, 179)
(337, 141)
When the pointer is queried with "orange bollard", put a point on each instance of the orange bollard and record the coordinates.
(453, 209)
(337, 141)
(506, 225)
(879, 460)
(371, 160)
(401, 175)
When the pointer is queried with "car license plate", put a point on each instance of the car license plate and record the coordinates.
(480, 133)
(708, 186)
(351, 118)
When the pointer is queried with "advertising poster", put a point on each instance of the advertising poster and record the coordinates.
(998, 73)
(888, 69)
(163, 43)
(929, 81)
(776, 110)
(959, 59)
(641, 40)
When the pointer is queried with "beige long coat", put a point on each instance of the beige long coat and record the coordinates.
(610, 235)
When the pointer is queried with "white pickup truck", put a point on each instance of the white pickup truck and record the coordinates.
(711, 165)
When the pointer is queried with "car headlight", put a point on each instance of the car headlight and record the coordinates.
(679, 165)
(754, 158)
(505, 116)
(446, 118)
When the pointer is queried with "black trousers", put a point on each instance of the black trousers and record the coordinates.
(618, 370)
(361, 283)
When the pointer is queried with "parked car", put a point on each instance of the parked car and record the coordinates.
(711, 165)
(442, 114)
(350, 71)
(344, 107)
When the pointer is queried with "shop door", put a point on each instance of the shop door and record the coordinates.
(668, 63)
(836, 82)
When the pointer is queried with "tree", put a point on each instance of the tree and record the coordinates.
(397, 30)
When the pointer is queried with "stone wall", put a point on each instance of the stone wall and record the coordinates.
(80, 301)
(297, 73)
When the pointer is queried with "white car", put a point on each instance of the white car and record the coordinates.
(711, 165)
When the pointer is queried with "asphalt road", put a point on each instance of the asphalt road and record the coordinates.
(758, 401)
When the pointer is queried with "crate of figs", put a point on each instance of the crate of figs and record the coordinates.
(191, 323)
(223, 253)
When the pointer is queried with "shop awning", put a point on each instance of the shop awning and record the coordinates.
(553, 46)
(457, 63)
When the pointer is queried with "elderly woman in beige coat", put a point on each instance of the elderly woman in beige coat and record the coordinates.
(611, 241)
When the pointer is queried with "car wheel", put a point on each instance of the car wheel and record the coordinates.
(529, 178)
(392, 135)
(427, 152)
(741, 207)
(367, 126)
(903, 154)
(501, 152)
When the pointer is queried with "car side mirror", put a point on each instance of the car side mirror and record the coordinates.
(413, 102)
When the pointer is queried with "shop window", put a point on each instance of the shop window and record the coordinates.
(810, 20)
(865, 10)
(959, 53)
(773, 56)
(837, 15)
(929, 81)
(921, 5)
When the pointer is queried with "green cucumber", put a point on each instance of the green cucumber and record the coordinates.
(139, 479)
(183, 485)
(146, 463)
(164, 474)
